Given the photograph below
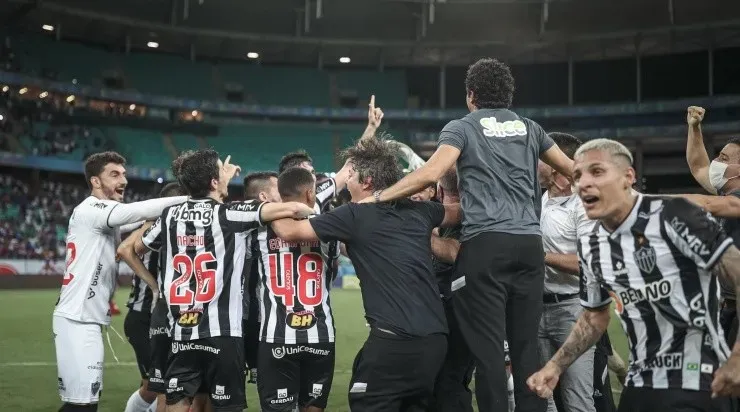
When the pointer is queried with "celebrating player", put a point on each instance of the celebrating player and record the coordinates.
(658, 259)
(204, 247)
(90, 277)
(296, 349)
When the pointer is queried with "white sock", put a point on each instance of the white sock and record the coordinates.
(153, 406)
(136, 403)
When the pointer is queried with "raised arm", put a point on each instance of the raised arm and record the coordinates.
(128, 213)
(374, 117)
(696, 154)
(440, 162)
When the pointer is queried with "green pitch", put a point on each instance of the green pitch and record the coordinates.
(27, 361)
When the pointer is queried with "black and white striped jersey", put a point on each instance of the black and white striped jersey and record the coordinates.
(656, 267)
(294, 279)
(203, 248)
(140, 299)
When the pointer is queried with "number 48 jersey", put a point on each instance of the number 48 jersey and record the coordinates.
(293, 289)
(202, 248)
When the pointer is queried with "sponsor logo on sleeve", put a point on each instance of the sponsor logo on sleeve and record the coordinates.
(695, 244)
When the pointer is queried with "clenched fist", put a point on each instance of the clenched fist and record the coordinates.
(694, 115)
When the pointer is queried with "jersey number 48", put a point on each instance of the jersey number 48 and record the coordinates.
(205, 279)
(307, 288)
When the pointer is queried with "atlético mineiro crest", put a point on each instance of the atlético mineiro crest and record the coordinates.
(645, 257)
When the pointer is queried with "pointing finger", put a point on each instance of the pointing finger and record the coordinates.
(228, 158)
(372, 102)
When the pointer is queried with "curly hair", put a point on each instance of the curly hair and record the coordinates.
(492, 84)
(293, 159)
(196, 170)
(377, 159)
(95, 164)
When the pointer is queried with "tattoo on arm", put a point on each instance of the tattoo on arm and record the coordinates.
(587, 331)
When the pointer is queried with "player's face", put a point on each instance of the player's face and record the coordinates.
(604, 184)
(355, 188)
(730, 154)
(223, 181)
(112, 182)
(544, 173)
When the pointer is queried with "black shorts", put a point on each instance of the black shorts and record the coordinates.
(160, 345)
(393, 373)
(211, 365)
(294, 374)
(671, 400)
(136, 329)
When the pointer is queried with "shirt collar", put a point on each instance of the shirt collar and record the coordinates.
(628, 222)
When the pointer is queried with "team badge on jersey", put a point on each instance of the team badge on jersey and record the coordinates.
(301, 320)
(645, 255)
(190, 318)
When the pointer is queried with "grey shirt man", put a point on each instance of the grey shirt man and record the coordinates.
(498, 190)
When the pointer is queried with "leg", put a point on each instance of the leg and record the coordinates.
(577, 382)
(479, 298)
(547, 349)
(603, 397)
(136, 329)
(79, 352)
(184, 376)
(451, 390)
(225, 373)
(523, 314)
(279, 383)
(316, 377)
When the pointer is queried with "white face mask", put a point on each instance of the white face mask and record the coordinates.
(717, 175)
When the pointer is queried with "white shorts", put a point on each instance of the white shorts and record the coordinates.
(79, 348)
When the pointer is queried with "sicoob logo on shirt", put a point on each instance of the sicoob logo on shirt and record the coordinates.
(300, 320)
(492, 128)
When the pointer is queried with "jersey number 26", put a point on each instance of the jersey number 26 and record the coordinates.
(205, 279)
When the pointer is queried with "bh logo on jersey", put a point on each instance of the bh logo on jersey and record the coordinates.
(492, 128)
(300, 320)
(189, 319)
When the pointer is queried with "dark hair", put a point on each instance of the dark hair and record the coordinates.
(172, 189)
(449, 181)
(377, 159)
(95, 164)
(294, 159)
(492, 84)
(177, 163)
(566, 142)
(256, 182)
(197, 169)
(734, 140)
(294, 181)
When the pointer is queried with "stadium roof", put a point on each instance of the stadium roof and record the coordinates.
(391, 32)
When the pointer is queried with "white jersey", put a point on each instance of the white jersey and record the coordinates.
(91, 270)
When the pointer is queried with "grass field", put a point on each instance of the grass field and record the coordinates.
(28, 380)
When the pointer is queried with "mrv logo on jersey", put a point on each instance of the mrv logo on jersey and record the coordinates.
(695, 244)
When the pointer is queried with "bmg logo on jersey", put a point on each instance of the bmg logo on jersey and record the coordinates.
(301, 320)
(200, 212)
(492, 128)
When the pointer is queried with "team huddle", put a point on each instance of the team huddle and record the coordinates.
(223, 289)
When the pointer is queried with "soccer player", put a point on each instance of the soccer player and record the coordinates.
(657, 258)
(389, 244)
(137, 324)
(90, 277)
(204, 247)
(261, 186)
(500, 268)
(296, 349)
